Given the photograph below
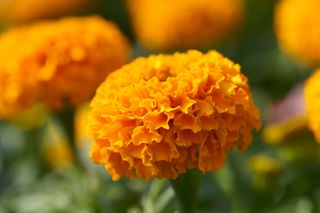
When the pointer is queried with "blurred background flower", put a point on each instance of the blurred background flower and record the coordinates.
(312, 98)
(297, 29)
(58, 62)
(187, 24)
(286, 117)
(266, 172)
(57, 153)
(31, 10)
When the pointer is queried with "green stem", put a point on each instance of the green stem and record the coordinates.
(66, 118)
(34, 136)
(186, 188)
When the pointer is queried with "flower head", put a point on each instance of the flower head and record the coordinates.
(161, 115)
(298, 29)
(58, 62)
(28, 10)
(186, 24)
(312, 98)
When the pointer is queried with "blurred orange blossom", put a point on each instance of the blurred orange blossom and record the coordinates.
(169, 24)
(58, 62)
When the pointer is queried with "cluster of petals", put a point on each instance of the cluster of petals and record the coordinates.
(312, 99)
(187, 24)
(161, 115)
(28, 10)
(298, 30)
(57, 62)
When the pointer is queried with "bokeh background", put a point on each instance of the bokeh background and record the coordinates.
(280, 172)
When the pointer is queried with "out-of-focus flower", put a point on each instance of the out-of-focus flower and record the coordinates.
(312, 98)
(59, 62)
(162, 115)
(277, 133)
(83, 138)
(265, 173)
(28, 10)
(297, 25)
(56, 149)
(15, 93)
(81, 124)
(265, 165)
(292, 106)
(287, 129)
(167, 24)
(286, 117)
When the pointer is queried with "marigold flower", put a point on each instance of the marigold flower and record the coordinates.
(161, 115)
(28, 10)
(58, 62)
(298, 29)
(312, 98)
(13, 87)
(187, 24)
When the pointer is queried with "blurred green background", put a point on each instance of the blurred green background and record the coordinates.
(283, 177)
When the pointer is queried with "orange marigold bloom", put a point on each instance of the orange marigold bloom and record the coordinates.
(161, 115)
(186, 24)
(312, 98)
(58, 62)
(297, 26)
(27, 10)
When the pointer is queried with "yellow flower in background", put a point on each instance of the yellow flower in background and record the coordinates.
(265, 165)
(266, 171)
(297, 26)
(167, 24)
(161, 115)
(312, 98)
(15, 93)
(82, 135)
(276, 133)
(56, 149)
(286, 118)
(286, 129)
(58, 62)
(28, 10)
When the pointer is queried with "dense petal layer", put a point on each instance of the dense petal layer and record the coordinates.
(162, 115)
